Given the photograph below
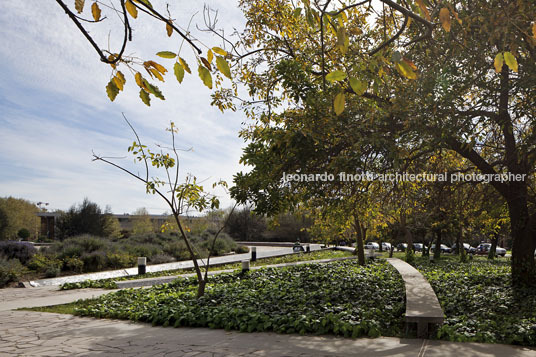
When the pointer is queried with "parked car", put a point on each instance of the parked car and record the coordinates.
(386, 246)
(401, 247)
(418, 247)
(466, 246)
(372, 245)
(483, 249)
(443, 248)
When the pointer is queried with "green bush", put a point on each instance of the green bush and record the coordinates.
(10, 271)
(23, 234)
(22, 251)
(94, 261)
(240, 249)
(120, 260)
(42, 263)
(74, 264)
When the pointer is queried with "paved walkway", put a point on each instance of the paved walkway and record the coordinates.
(264, 252)
(25, 333)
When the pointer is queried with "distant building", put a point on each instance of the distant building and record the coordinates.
(48, 222)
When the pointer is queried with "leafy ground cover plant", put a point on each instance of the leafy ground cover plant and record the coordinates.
(341, 298)
(480, 303)
(291, 258)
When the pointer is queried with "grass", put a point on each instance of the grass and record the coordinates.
(291, 258)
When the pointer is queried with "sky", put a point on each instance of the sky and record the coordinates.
(54, 111)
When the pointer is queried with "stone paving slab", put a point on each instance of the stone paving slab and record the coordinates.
(187, 264)
(27, 333)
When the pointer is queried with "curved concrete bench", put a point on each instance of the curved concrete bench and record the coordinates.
(422, 305)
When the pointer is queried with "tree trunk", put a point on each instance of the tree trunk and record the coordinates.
(360, 246)
(201, 288)
(437, 251)
(493, 248)
(523, 230)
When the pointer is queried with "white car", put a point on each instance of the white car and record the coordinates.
(372, 245)
(386, 246)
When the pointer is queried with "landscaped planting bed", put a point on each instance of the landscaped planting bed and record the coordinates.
(291, 258)
(340, 298)
(479, 302)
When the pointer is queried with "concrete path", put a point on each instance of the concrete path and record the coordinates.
(24, 333)
(422, 306)
(264, 252)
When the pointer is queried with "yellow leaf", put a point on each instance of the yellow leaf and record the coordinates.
(169, 28)
(112, 90)
(118, 83)
(511, 61)
(498, 62)
(158, 66)
(534, 30)
(131, 8)
(219, 51)
(166, 54)
(205, 76)
(424, 9)
(406, 70)
(444, 17)
(338, 103)
(95, 11)
(121, 77)
(79, 7)
(359, 87)
(157, 74)
(184, 65)
(210, 56)
(139, 79)
(223, 66)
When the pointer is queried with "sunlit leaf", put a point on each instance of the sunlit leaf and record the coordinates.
(424, 10)
(358, 86)
(157, 74)
(153, 89)
(210, 56)
(444, 17)
(179, 71)
(205, 76)
(511, 61)
(79, 6)
(166, 54)
(95, 11)
(145, 97)
(406, 70)
(112, 90)
(139, 79)
(131, 8)
(223, 66)
(498, 62)
(219, 51)
(338, 103)
(169, 28)
(185, 65)
(336, 76)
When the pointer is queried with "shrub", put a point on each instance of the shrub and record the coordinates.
(17, 250)
(23, 233)
(94, 261)
(10, 270)
(120, 260)
(42, 263)
(241, 249)
(161, 259)
(74, 264)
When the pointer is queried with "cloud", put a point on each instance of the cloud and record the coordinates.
(55, 111)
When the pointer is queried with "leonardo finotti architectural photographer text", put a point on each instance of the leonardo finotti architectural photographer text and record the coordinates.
(400, 177)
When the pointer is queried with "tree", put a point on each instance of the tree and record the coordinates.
(141, 222)
(180, 197)
(16, 214)
(245, 225)
(86, 218)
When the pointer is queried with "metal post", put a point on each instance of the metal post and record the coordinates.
(142, 263)
(253, 254)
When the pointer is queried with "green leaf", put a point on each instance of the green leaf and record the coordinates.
(205, 75)
(145, 97)
(511, 61)
(338, 103)
(223, 66)
(498, 62)
(112, 90)
(336, 76)
(358, 86)
(184, 65)
(153, 89)
(166, 54)
(179, 71)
